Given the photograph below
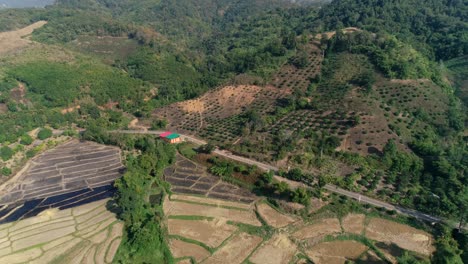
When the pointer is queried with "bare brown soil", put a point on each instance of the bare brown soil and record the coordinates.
(403, 236)
(215, 202)
(211, 233)
(278, 250)
(273, 217)
(236, 250)
(332, 33)
(316, 231)
(18, 94)
(353, 223)
(235, 215)
(14, 40)
(70, 109)
(336, 252)
(183, 249)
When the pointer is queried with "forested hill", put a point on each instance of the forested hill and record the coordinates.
(439, 28)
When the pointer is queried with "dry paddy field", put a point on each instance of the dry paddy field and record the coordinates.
(187, 177)
(209, 230)
(85, 234)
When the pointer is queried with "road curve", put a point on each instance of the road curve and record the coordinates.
(332, 188)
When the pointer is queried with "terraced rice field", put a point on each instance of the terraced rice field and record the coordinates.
(84, 234)
(72, 174)
(14, 212)
(187, 177)
(336, 252)
(69, 167)
(206, 230)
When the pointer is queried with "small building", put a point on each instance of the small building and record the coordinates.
(170, 137)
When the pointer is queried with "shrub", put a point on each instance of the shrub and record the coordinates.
(6, 171)
(26, 139)
(6, 153)
(45, 133)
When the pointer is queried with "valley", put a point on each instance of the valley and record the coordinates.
(300, 132)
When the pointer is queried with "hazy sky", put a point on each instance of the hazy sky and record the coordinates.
(25, 3)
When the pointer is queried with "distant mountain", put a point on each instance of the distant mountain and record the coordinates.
(24, 3)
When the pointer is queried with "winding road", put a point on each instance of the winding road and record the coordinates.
(331, 188)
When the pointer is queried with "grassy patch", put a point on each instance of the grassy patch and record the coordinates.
(192, 241)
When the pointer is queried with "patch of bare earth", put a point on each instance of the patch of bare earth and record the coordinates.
(70, 109)
(278, 250)
(235, 215)
(371, 258)
(216, 202)
(403, 236)
(316, 204)
(319, 229)
(236, 250)
(273, 217)
(336, 252)
(211, 233)
(353, 223)
(224, 102)
(13, 40)
(181, 249)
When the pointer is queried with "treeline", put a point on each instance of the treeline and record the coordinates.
(392, 57)
(144, 238)
(437, 28)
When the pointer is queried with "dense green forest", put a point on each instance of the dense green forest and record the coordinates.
(438, 28)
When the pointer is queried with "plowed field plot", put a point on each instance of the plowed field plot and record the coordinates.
(84, 234)
(206, 230)
(273, 217)
(336, 252)
(69, 167)
(278, 250)
(403, 236)
(353, 223)
(318, 230)
(188, 177)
